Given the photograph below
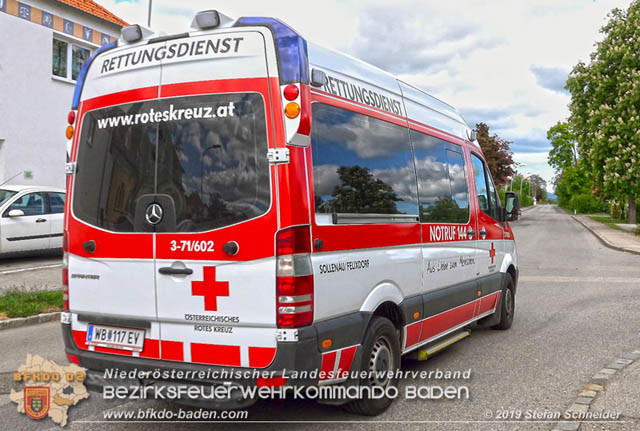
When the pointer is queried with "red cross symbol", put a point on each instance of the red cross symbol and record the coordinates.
(210, 288)
(492, 252)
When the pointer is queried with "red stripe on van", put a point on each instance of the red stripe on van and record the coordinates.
(292, 184)
(413, 334)
(437, 324)
(219, 86)
(489, 302)
(172, 350)
(352, 237)
(80, 338)
(127, 96)
(346, 358)
(328, 364)
(215, 354)
(260, 357)
(151, 349)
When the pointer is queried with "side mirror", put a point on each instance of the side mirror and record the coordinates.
(511, 206)
(16, 213)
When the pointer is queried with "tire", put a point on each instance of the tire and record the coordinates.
(380, 352)
(508, 307)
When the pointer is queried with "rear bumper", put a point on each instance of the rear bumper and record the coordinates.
(304, 355)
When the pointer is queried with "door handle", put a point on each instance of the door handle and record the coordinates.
(471, 233)
(167, 270)
(483, 233)
(41, 220)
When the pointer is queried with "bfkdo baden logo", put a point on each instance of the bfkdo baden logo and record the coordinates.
(49, 389)
(36, 401)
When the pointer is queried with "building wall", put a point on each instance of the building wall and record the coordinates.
(34, 104)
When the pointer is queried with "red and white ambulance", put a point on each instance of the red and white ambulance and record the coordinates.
(241, 199)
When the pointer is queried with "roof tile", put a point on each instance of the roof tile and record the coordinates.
(93, 8)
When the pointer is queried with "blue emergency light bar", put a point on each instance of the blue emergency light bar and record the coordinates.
(291, 49)
(83, 72)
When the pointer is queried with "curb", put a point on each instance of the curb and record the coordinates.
(31, 320)
(603, 240)
(591, 390)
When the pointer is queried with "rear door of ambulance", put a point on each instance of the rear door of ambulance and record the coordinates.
(185, 202)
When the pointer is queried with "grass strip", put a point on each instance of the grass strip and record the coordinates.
(20, 303)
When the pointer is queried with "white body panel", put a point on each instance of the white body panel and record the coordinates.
(447, 264)
(112, 287)
(245, 317)
(343, 280)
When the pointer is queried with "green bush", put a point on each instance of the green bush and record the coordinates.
(525, 200)
(587, 203)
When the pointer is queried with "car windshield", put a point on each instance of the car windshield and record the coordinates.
(5, 195)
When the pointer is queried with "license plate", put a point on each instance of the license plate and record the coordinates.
(115, 338)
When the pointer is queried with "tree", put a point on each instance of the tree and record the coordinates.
(539, 187)
(497, 153)
(360, 192)
(605, 98)
(564, 151)
(444, 209)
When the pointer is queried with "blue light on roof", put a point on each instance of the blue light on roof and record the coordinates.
(83, 73)
(291, 48)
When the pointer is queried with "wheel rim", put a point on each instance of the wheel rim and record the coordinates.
(508, 303)
(381, 362)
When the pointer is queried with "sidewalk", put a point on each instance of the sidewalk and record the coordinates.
(619, 396)
(612, 238)
(616, 386)
(610, 402)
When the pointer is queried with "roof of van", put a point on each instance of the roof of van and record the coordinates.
(345, 64)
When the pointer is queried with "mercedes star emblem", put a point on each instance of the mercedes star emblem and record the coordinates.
(154, 214)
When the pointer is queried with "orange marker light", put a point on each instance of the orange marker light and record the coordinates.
(326, 343)
(416, 315)
(69, 132)
(292, 110)
(479, 292)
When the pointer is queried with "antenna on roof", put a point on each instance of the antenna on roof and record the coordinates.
(149, 16)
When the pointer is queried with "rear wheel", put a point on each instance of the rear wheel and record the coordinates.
(508, 307)
(380, 359)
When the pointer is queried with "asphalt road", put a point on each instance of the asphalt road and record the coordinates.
(576, 310)
(31, 273)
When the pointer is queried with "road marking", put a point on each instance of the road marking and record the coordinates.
(33, 268)
(572, 279)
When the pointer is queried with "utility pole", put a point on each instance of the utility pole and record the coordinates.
(521, 181)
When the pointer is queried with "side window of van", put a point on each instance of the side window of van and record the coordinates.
(442, 182)
(361, 165)
(484, 186)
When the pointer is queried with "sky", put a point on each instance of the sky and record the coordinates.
(502, 62)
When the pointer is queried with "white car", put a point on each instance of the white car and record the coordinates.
(31, 219)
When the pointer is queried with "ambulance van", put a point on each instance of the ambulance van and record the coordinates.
(240, 199)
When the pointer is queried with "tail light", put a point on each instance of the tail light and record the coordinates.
(65, 270)
(294, 277)
(73, 359)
